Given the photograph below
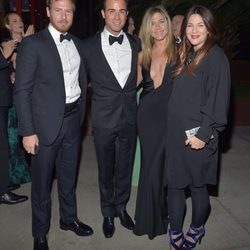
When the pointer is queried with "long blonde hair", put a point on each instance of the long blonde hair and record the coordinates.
(147, 40)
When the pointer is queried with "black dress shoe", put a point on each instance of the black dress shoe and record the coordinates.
(13, 187)
(108, 227)
(10, 198)
(126, 220)
(40, 243)
(77, 227)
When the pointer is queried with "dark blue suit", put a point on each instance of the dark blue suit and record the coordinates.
(40, 103)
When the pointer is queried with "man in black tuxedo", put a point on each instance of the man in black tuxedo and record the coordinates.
(6, 197)
(111, 59)
(50, 99)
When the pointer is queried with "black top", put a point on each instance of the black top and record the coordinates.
(198, 100)
(5, 83)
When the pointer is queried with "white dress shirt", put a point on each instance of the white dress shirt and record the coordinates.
(70, 60)
(118, 56)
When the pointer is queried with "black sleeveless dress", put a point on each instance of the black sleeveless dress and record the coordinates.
(151, 210)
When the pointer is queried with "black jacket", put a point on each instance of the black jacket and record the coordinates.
(5, 83)
(40, 91)
(109, 100)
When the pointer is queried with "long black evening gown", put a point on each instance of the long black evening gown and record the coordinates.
(151, 209)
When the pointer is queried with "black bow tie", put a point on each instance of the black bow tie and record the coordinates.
(113, 39)
(62, 37)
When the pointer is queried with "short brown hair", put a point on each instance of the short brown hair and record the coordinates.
(49, 2)
(105, 1)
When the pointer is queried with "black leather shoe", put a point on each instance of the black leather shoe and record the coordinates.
(10, 198)
(40, 243)
(108, 227)
(126, 220)
(13, 187)
(77, 227)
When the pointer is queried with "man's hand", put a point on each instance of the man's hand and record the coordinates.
(29, 143)
(8, 48)
(195, 143)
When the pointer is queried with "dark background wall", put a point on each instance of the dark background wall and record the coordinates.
(88, 21)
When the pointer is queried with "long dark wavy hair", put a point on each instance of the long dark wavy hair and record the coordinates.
(186, 48)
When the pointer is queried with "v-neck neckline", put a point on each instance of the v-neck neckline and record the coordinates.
(163, 77)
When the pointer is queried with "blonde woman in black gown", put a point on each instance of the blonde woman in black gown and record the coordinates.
(197, 112)
(155, 68)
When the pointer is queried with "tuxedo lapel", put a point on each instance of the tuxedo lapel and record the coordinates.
(103, 61)
(76, 44)
(133, 60)
(82, 69)
(53, 52)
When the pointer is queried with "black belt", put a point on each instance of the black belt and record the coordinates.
(69, 107)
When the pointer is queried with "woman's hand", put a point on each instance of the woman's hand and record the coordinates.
(29, 31)
(195, 143)
(8, 48)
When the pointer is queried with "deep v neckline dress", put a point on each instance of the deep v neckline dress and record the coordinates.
(151, 209)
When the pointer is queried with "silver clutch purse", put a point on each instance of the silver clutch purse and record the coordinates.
(193, 131)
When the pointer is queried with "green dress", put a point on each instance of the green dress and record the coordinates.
(19, 171)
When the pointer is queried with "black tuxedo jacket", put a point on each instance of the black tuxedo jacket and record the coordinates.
(5, 84)
(40, 92)
(109, 100)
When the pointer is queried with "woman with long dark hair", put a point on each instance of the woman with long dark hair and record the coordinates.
(197, 112)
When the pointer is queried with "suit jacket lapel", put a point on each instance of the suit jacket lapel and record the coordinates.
(82, 69)
(53, 51)
(76, 44)
(133, 60)
(103, 61)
